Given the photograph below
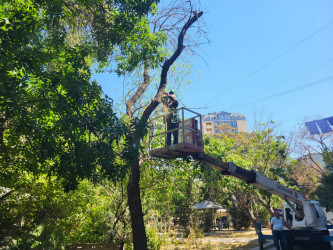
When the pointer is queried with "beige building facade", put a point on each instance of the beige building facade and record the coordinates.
(211, 121)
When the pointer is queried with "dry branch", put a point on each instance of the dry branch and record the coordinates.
(166, 66)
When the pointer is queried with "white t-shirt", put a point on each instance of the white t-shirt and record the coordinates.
(277, 223)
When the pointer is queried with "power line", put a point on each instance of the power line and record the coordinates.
(282, 83)
(272, 60)
(277, 85)
(288, 91)
(202, 107)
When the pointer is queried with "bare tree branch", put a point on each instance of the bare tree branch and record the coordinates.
(146, 81)
(167, 64)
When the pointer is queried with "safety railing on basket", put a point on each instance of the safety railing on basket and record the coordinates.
(187, 131)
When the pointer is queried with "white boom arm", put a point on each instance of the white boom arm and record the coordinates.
(310, 215)
(262, 182)
(254, 178)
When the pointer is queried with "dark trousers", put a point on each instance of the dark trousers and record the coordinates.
(171, 126)
(280, 237)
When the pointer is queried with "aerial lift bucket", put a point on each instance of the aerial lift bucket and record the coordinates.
(189, 136)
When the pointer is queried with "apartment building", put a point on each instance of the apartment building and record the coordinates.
(235, 120)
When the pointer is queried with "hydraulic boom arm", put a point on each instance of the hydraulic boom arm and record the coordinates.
(253, 177)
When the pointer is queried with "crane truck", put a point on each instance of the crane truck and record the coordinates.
(309, 224)
(307, 217)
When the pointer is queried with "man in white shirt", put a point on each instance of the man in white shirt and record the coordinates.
(277, 229)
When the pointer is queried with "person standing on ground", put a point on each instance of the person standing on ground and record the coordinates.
(277, 229)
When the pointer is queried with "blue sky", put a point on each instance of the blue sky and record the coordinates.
(260, 49)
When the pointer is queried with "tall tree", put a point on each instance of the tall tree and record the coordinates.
(138, 121)
(324, 192)
(50, 111)
(315, 154)
(53, 120)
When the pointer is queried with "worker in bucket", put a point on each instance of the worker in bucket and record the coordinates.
(171, 118)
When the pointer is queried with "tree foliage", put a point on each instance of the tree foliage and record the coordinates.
(259, 150)
(311, 148)
(137, 128)
(55, 125)
(41, 215)
(324, 191)
(56, 128)
(53, 118)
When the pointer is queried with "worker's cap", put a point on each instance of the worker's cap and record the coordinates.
(171, 93)
(278, 212)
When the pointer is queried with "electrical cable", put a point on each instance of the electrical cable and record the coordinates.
(201, 107)
(279, 84)
(272, 60)
(287, 91)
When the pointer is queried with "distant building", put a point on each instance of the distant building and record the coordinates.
(235, 120)
(313, 159)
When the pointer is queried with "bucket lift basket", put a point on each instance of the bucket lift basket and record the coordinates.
(190, 139)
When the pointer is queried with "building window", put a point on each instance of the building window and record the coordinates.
(209, 129)
(209, 124)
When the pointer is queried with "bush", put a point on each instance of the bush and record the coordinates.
(155, 241)
(240, 218)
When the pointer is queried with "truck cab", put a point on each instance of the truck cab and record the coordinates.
(309, 215)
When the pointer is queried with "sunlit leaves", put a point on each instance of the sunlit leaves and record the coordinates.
(324, 191)
(53, 119)
(259, 151)
(143, 46)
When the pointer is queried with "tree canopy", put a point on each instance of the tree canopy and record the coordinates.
(259, 150)
(64, 150)
(54, 120)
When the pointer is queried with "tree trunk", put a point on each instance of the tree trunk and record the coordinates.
(251, 213)
(133, 187)
(135, 208)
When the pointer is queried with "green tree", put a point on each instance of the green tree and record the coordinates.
(54, 122)
(41, 215)
(307, 146)
(182, 200)
(168, 192)
(50, 111)
(260, 151)
(137, 129)
(240, 218)
(324, 192)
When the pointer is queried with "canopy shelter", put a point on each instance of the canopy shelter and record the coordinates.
(217, 218)
(207, 205)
